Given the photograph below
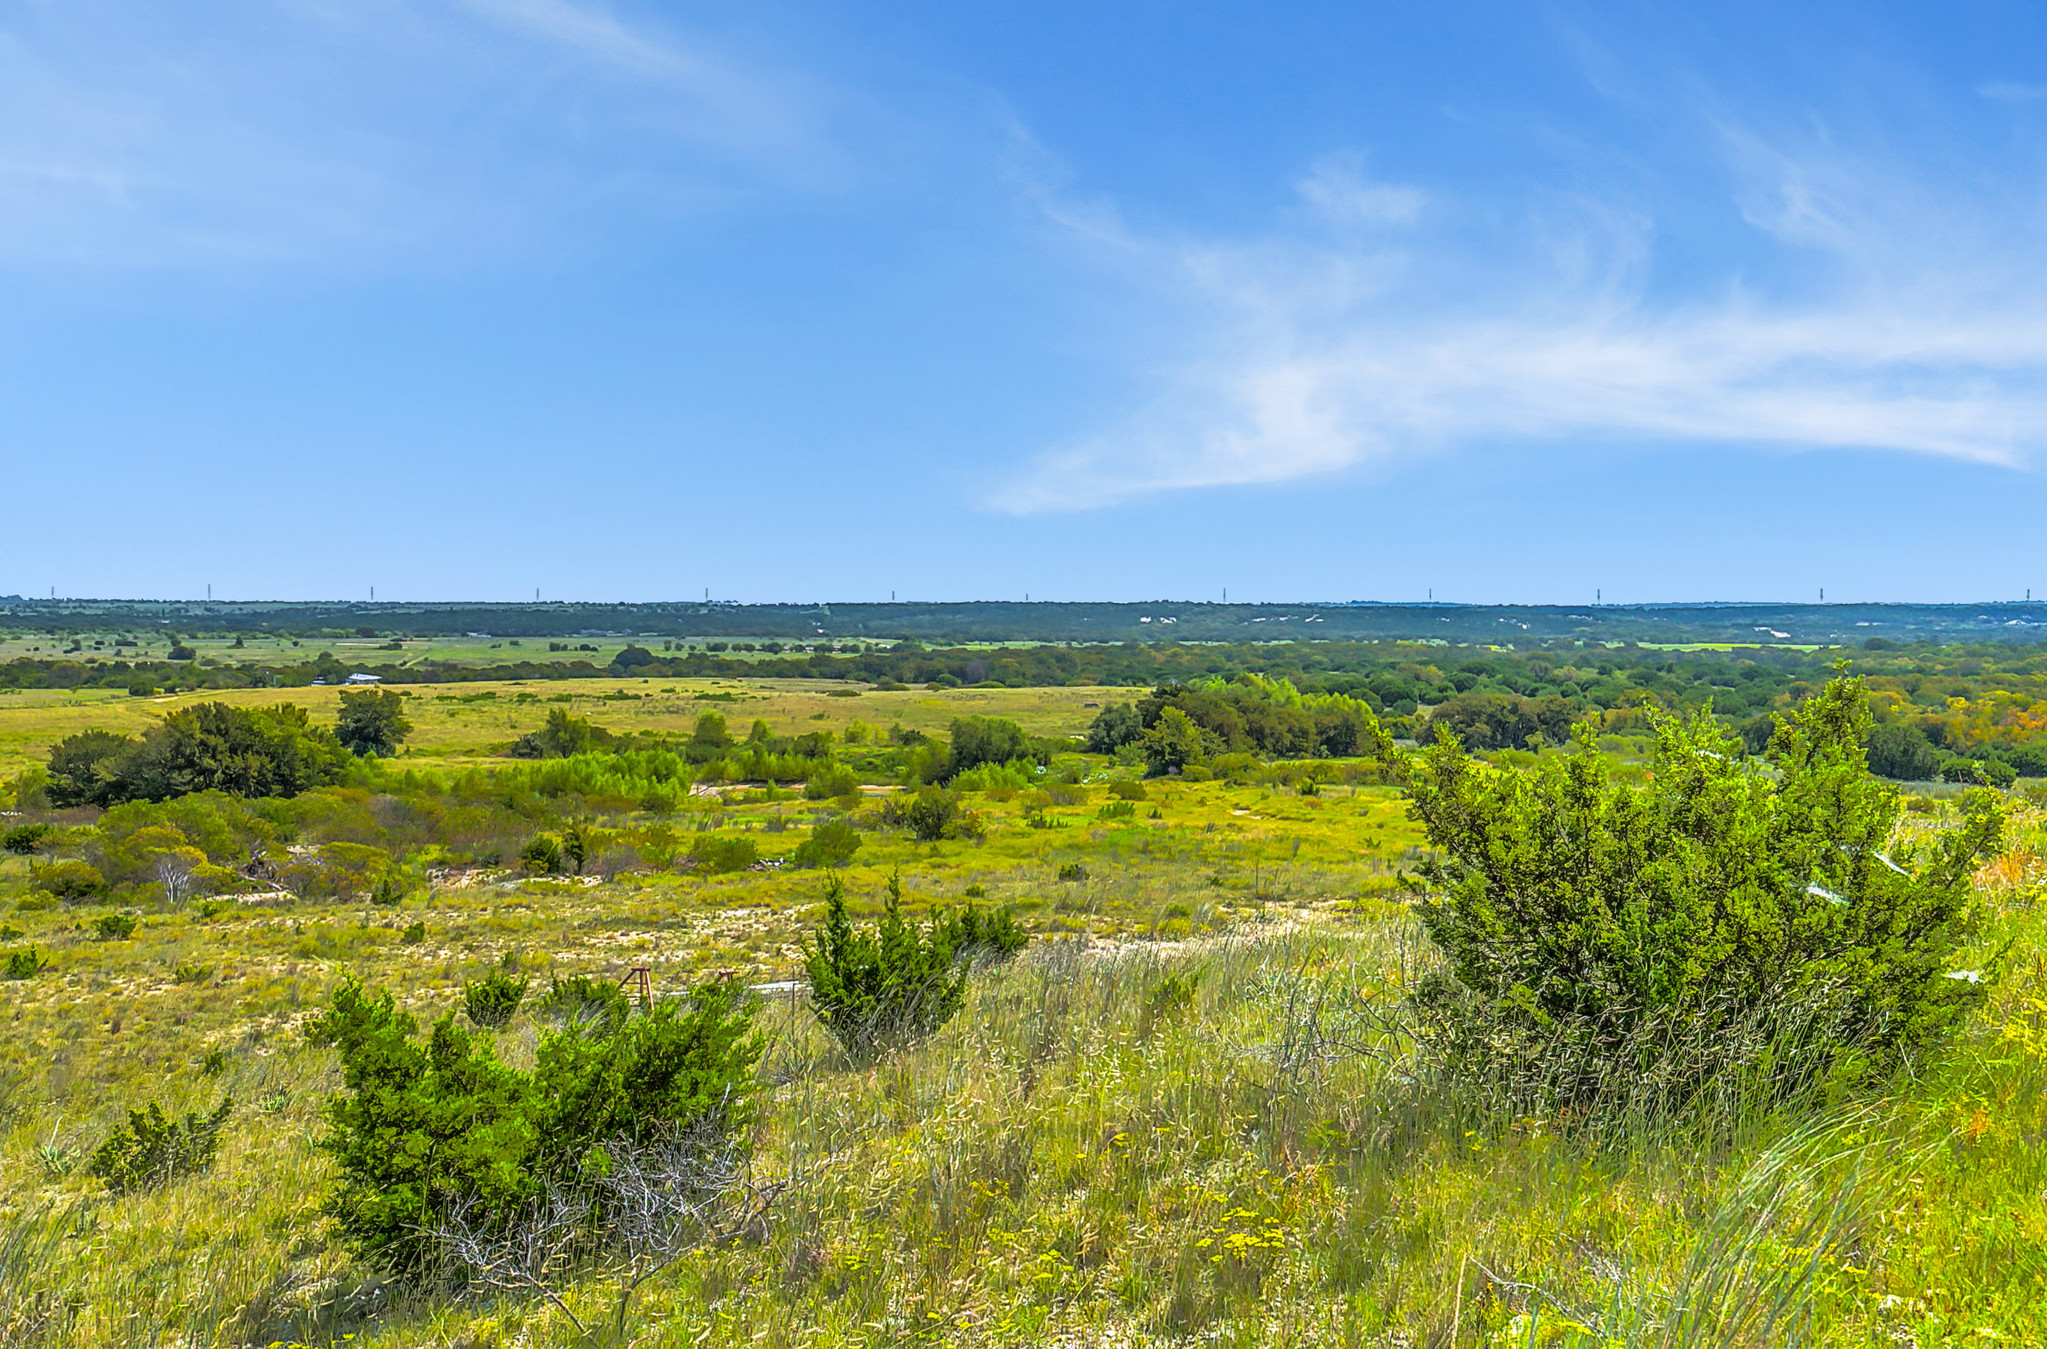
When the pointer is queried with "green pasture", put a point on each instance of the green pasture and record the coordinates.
(1167, 1123)
(466, 721)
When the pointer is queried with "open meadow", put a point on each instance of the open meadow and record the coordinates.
(1186, 1112)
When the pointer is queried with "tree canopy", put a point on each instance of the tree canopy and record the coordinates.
(242, 751)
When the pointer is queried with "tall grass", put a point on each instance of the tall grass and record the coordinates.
(1223, 1141)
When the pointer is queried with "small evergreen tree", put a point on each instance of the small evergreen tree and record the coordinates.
(883, 988)
(423, 1132)
(152, 1149)
(492, 1001)
(977, 935)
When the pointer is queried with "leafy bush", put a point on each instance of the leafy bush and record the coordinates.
(24, 839)
(1114, 726)
(581, 1001)
(884, 988)
(543, 856)
(152, 1149)
(829, 781)
(1985, 772)
(26, 963)
(70, 880)
(114, 926)
(1072, 871)
(985, 740)
(1898, 750)
(1606, 944)
(487, 1140)
(1127, 789)
(492, 1001)
(1117, 810)
(1175, 743)
(243, 751)
(372, 721)
(562, 737)
(715, 854)
(832, 843)
(932, 813)
(976, 935)
(415, 934)
(993, 777)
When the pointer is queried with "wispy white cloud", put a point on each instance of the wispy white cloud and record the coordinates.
(2008, 91)
(1316, 353)
(274, 130)
(1339, 189)
(588, 30)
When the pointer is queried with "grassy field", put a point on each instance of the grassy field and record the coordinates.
(1083, 1157)
(461, 722)
(142, 644)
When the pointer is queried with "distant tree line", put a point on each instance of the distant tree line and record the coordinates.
(1958, 705)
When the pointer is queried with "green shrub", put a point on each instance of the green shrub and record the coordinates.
(492, 1001)
(993, 777)
(151, 1149)
(70, 880)
(582, 1001)
(390, 889)
(1117, 810)
(543, 856)
(415, 934)
(932, 813)
(1981, 772)
(1072, 871)
(243, 751)
(1611, 945)
(976, 935)
(1115, 726)
(985, 740)
(486, 1137)
(1127, 789)
(24, 839)
(832, 843)
(829, 781)
(191, 972)
(26, 963)
(114, 926)
(884, 988)
(714, 854)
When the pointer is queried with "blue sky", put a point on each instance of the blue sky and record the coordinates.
(464, 298)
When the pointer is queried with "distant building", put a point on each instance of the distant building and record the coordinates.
(360, 678)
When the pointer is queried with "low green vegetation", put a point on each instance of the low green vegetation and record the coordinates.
(1232, 1012)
